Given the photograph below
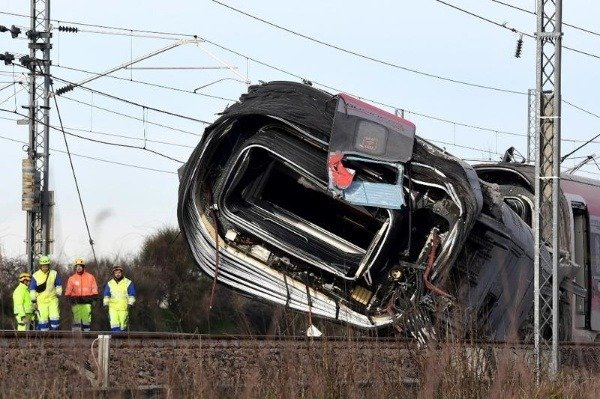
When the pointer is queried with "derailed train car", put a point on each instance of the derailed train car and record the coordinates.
(328, 205)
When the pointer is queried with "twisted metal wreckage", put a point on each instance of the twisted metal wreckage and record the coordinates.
(328, 205)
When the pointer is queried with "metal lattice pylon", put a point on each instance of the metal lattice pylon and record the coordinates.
(547, 181)
(532, 121)
(38, 228)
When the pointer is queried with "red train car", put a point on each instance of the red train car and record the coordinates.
(580, 238)
(583, 195)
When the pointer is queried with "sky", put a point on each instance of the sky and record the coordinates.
(411, 50)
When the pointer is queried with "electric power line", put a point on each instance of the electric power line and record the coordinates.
(130, 116)
(96, 158)
(533, 13)
(62, 130)
(369, 58)
(512, 29)
(117, 98)
(351, 52)
(148, 83)
(320, 84)
(123, 136)
(249, 58)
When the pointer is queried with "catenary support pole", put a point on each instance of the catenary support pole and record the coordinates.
(37, 198)
(547, 183)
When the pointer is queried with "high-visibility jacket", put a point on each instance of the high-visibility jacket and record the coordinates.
(82, 287)
(22, 301)
(119, 294)
(45, 287)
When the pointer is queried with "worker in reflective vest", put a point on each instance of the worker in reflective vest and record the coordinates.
(45, 288)
(22, 306)
(119, 295)
(82, 290)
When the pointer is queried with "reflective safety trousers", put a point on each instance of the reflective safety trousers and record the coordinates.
(119, 294)
(22, 301)
(45, 287)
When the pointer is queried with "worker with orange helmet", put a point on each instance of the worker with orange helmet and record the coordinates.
(82, 290)
(22, 306)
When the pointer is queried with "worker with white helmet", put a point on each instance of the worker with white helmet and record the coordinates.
(82, 290)
(119, 295)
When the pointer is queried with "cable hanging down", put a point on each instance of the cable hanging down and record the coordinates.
(87, 226)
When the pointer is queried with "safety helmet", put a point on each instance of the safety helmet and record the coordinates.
(79, 262)
(44, 260)
(117, 267)
(24, 277)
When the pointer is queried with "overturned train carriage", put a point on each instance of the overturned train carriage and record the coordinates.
(328, 205)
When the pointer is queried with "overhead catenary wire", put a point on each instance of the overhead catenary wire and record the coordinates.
(130, 116)
(124, 136)
(379, 61)
(533, 13)
(370, 58)
(147, 83)
(249, 58)
(64, 131)
(505, 26)
(107, 161)
(130, 102)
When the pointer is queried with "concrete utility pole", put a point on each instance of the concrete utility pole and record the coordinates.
(547, 183)
(37, 199)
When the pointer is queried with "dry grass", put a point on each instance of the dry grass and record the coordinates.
(273, 369)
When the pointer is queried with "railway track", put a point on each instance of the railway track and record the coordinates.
(227, 364)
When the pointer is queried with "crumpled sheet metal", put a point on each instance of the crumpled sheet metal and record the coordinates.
(307, 113)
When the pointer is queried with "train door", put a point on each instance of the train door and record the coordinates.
(581, 232)
(594, 278)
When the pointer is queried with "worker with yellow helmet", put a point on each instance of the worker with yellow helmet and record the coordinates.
(45, 288)
(22, 306)
(82, 290)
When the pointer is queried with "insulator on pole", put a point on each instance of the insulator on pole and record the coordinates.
(519, 46)
(70, 29)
